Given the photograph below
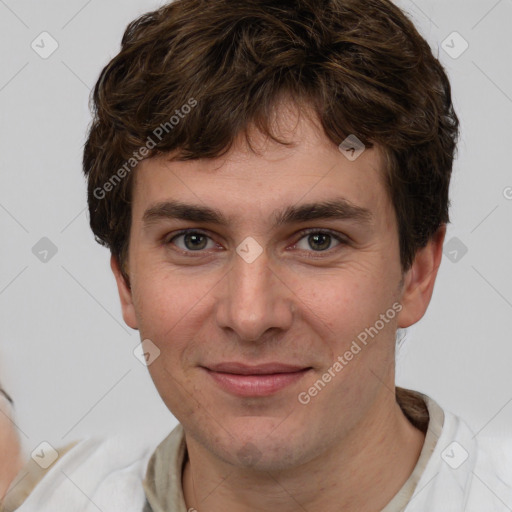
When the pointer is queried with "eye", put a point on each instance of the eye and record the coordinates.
(188, 241)
(318, 240)
(191, 241)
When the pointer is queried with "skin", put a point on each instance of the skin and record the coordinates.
(335, 452)
(10, 461)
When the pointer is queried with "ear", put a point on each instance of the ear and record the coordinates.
(419, 280)
(125, 294)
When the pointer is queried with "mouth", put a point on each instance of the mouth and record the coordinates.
(253, 381)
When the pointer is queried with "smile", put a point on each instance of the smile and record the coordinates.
(262, 380)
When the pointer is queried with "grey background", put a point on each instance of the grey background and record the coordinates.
(66, 356)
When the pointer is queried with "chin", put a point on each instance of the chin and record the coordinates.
(261, 444)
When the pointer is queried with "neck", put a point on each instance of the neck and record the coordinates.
(353, 475)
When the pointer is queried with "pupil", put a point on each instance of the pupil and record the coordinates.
(314, 238)
(194, 238)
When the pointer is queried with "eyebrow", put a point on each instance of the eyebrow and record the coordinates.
(336, 209)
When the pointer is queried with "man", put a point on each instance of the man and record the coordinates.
(272, 180)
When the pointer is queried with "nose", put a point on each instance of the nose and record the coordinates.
(254, 299)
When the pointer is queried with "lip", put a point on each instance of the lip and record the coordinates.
(261, 380)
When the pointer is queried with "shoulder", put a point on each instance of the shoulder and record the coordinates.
(466, 471)
(94, 474)
(484, 463)
(492, 474)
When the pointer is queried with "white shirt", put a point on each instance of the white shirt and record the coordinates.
(456, 472)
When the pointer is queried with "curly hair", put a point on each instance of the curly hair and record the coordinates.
(194, 74)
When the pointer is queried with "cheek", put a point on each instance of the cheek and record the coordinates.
(346, 308)
(346, 298)
(170, 307)
(159, 303)
(168, 310)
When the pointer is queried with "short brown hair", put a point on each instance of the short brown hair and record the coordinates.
(361, 65)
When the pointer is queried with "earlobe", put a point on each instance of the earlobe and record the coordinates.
(420, 279)
(125, 294)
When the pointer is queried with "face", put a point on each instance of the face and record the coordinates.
(252, 296)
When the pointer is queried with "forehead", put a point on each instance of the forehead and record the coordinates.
(262, 180)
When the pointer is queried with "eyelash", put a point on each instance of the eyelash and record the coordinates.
(302, 234)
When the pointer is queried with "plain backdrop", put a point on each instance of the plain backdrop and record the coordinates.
(66, 355)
